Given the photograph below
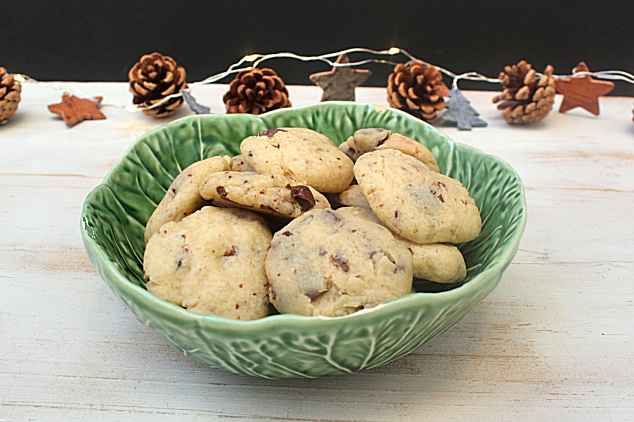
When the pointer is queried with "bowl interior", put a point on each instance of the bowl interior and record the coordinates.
(115, 213)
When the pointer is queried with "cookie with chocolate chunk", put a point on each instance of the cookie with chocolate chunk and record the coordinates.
(352, 197)
(331, 263)
(211, 262)
(373, 139)
(416, 202)
(437, 262)
(182, 197)
(263, 192)
(303, 155)
(238, 163)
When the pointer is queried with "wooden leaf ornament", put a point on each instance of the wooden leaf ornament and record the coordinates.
(339, 83)
(582, 91)
(74, 109)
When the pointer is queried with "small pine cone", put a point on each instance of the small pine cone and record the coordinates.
(256, 91)
(417, 89)
(525, 99)
(153, 78)
(9, 95)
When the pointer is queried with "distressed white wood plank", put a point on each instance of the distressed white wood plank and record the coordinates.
(553, 342)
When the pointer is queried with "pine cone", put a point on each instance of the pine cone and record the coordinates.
(9, 95)
(417, 89)
(256, 91)
(153, 78)
(524, 99)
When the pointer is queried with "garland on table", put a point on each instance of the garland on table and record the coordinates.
(10, 91)
(159, 88)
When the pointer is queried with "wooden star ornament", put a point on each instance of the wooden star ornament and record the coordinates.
(74, 109)
(339, 83)
(582, 91)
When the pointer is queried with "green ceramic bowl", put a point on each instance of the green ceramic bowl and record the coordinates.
(287, 346)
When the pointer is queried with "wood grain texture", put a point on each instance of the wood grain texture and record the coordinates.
(74, 109)
(553, 342)
(340, 82)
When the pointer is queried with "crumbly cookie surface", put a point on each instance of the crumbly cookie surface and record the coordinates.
(262, 192)
(416, 202)
(353, 197)
(182, 197)
(300, 154)
(211, 262)
(373, 139)
(332, 264)
(238, 163)
(437, 262)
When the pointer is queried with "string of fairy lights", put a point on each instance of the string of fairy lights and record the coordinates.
(254, 60)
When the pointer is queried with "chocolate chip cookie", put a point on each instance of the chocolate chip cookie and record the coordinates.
(211, 262)
(416, 202)
(352, 197)
(302, 155)
(263, 192)
(437, 262)
(332, 263)
(373, 139)
(183, 197)
(238, 163)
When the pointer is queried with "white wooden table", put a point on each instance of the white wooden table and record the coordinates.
(554, 341)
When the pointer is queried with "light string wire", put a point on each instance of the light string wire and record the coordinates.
(614, 75)
(22, 78)
(254, 60)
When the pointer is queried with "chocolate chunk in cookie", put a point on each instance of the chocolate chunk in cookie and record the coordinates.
(266, 193)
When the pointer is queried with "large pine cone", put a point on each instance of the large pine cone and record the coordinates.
(256, 91)
(417, 89)
(9, 95)
(153, 78)
(524, 99)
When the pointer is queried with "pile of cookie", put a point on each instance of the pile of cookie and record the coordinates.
(307, 227)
